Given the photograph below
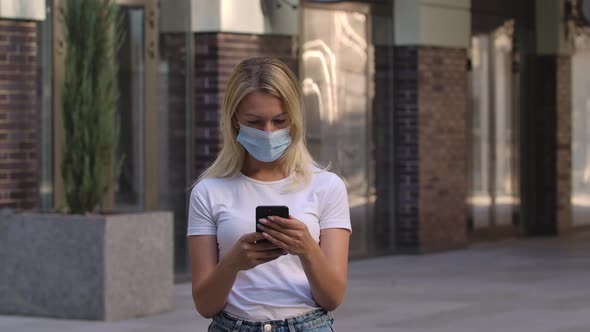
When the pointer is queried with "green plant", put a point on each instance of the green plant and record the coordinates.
(89, 101)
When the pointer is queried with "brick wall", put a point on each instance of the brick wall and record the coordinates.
(406, 147)
(442, 154)
(383, 142)
(546, 146)
(564, 142)
(172, 99)
(431, 164)
(216, 54)
(18, 115)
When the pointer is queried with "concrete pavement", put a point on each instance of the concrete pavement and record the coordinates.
(517, 285)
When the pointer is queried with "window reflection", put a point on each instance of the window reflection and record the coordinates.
(494, 173)
(335, 79)
(129, 191)
(581, 133)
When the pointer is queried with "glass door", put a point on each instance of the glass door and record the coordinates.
(581, 132)
(494, 91)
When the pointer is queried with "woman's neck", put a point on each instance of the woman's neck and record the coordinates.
(262, 171)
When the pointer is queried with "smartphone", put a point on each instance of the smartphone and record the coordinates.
(264, 211)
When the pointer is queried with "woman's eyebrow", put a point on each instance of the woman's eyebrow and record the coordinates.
(258, 116)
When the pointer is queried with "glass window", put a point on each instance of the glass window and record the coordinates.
(581, 133)
(493, 196)
(175, 116)
(45, 79)
(334, 60)
(129, 190)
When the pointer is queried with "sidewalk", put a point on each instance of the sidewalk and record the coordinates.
(530, 285)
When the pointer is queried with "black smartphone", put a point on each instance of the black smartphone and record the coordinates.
(264, 211)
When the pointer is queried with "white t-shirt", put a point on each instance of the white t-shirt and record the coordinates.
(226, 207)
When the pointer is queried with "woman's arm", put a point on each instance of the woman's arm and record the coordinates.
(212, 281)
(325, 265)
(327, 268)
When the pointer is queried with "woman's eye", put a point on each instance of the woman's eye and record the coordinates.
(252, 122)
(280, 121)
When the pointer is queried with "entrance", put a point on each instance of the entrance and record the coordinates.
(581, 132)
(493, 195)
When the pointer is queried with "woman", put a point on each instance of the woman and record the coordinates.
(291, 274)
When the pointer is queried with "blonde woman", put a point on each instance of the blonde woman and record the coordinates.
(292, 273)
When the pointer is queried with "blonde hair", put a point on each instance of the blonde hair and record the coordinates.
(275, 78)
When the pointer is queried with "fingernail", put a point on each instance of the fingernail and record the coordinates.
(271, 218)
(262, 220)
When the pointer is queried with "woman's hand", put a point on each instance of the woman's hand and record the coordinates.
(247, 253)
(289, 234)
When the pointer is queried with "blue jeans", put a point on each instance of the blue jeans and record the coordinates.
(315, 321)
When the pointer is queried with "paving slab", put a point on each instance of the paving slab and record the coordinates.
(516, 285)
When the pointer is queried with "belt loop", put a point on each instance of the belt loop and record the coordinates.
(291, 324)
(238, 325)
(331, 316)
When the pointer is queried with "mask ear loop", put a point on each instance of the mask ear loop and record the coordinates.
(237, 119)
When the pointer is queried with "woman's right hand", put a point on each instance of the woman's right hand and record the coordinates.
(250, 252)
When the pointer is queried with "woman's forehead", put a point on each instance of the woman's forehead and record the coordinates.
(261, 104)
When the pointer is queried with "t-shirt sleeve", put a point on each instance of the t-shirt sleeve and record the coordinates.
(335, 211)
(200, 214)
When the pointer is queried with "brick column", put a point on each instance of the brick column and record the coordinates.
(383, 144)
(406, 147)
(564, 144)
(431, 166)
(442, 115)
(546, 191)
(216, 54)
(18, 115)
(172, 98)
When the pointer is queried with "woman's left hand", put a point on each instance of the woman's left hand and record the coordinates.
(289, 234)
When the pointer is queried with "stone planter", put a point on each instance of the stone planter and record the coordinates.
(97, 267)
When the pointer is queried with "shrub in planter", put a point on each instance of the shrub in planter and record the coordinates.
(87, 265)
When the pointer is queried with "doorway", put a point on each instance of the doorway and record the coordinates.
(581, 132)
(494, 195)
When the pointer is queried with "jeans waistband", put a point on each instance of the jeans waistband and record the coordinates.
(304, 322)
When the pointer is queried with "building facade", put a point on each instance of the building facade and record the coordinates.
(450, 121)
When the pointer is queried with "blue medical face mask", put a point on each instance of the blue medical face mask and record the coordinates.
(262, 145)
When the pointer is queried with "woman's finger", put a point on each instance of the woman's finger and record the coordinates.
(276, 226)
(289, 223)
(276, 241)
(270, 254)
(285, 238)
(264, 245)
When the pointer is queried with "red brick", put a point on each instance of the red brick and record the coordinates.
(428, 180)
(564, 152)
(17, 59)
(18, 114)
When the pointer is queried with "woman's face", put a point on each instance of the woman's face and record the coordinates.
(262, 111)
